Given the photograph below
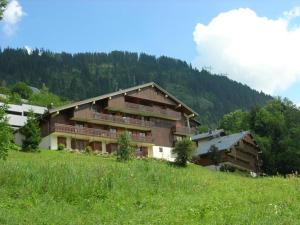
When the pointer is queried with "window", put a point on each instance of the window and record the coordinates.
(178, 138)
(112, 130)
(79, 125)
(62, 140)
(94, 108)
(160, 149)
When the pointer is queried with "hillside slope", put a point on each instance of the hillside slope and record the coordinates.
(92, 74)
(63, 188)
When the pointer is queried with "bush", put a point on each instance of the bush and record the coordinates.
(125, 147)
(88, 149)
(32, 134)
(61, 147)
(22, 89)
(227, 168)
(15, 98)
(184, 150)
(46, 98)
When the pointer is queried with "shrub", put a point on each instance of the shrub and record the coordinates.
(15, 98)
(22, 89)
(125, 147)
(61, 147)
(227, 168)
(6, 135)
(184, 150)
(88, 149)
(32, 134)
(46, 98)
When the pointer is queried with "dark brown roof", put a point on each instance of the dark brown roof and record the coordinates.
(119, 93)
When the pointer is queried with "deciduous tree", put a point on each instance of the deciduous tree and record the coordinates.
(184, 150)
(3, 4)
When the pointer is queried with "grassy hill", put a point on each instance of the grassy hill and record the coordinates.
(63, 188)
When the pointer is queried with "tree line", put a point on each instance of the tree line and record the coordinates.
(276, 129)
(82, 75)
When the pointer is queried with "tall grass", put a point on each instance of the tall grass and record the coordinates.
(63, 188)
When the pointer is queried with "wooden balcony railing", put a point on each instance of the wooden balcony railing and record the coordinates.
(239, 162)
(155, 111)
(62, 128)
(123, 120)
(183, 130)
(95, 116)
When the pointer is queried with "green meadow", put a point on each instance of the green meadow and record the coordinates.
(53, 187)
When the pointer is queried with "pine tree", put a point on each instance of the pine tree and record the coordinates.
(6, 135)
(125, 148)
(32, 134)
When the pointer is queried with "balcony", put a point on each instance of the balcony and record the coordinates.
(92, 132)
(153, 111)
(242, 164)
(183, 130)
(117, 121)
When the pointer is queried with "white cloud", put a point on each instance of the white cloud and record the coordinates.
(295, 12)
(28, 49)
(12, 16)
(261, 52)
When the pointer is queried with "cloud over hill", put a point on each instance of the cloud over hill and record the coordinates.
(261, 52)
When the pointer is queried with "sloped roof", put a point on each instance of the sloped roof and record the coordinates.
(34, 89)
(119, 93)
(222, 143)
(212, 133)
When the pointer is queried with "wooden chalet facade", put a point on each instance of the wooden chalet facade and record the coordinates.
(238, 150)
(154, 118)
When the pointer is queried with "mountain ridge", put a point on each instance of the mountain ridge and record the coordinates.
(93, 74)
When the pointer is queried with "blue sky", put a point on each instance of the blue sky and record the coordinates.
(154, 27)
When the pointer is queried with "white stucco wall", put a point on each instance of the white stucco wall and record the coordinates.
(49, 142)
(165, 154)
(16, 120)
(18, 138)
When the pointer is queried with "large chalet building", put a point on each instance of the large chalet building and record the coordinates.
(154, 118)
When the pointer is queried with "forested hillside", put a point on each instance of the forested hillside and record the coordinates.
(83, 75)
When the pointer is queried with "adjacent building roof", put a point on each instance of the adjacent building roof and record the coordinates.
(16, 114)
(122, 92)
(212, 133)
(34, 89)
(222, 143)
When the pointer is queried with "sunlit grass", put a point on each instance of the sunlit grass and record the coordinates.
(63, 188)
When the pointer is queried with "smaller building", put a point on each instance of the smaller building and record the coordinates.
(238, 150)
(17, 117)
